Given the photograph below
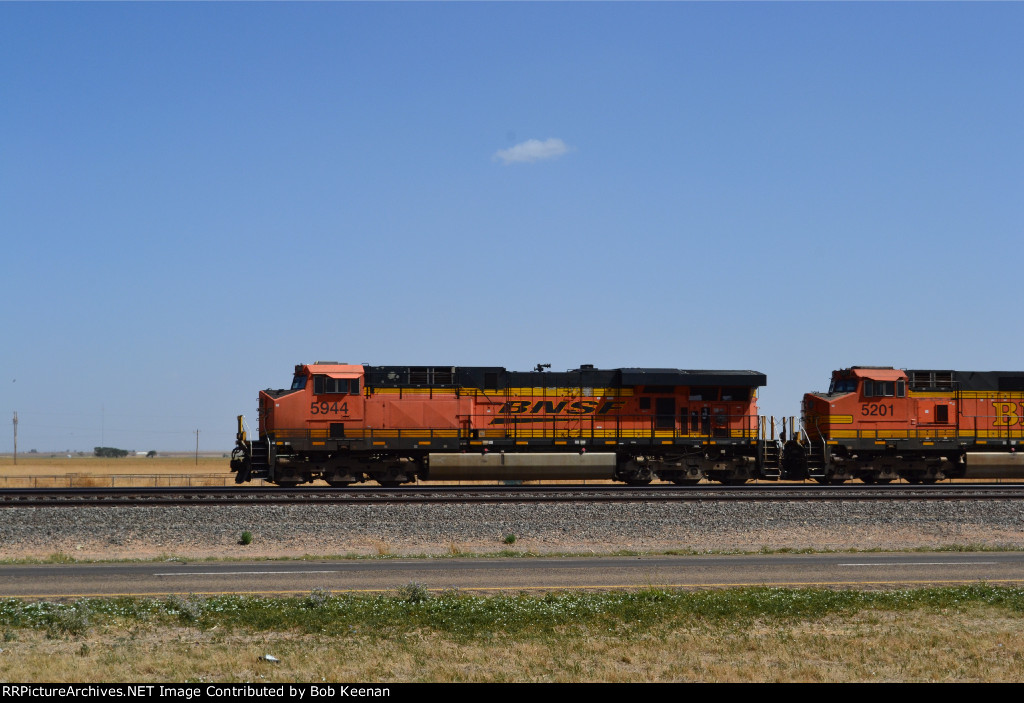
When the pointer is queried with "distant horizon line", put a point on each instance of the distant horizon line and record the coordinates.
(132, 452)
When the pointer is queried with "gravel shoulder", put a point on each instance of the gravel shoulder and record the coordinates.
(89, 533)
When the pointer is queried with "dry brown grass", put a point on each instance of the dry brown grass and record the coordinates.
(980, 645)
(39, 464)
(59, 471)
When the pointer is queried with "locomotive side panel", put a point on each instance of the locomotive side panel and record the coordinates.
(986, 423)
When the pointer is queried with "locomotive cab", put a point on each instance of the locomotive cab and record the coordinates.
(862, 401)
(851, 429)
(301, 428)
(322, 398)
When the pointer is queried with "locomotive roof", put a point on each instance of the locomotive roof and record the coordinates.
(966, 380)
(878, 373)
(689, 377)
(942, 379)
(331, 368)
(586, 376)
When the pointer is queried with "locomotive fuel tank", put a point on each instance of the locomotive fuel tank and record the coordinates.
(523, 467)
(993, 465)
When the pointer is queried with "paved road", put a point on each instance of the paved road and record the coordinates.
(513, 575)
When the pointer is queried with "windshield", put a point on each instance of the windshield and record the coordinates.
(299, 382)
(843, 385)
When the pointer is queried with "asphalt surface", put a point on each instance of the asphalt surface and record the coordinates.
(853, 570)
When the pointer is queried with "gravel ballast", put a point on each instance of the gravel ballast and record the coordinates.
(542, 528)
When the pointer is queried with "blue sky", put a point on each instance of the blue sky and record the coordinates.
(195, 197)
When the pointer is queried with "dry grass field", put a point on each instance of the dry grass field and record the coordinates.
(58, 470)
(940, 636)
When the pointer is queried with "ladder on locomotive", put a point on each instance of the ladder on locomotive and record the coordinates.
(259, 461)
(769, 457)
(816, 459)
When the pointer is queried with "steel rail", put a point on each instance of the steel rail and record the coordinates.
(163, 496)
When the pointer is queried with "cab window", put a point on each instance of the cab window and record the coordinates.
(885, 389)
(843, 385)
(326, 384)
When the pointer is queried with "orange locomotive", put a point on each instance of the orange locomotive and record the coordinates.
(879, 424)
(348, 423)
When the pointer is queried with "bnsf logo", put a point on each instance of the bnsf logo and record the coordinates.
(1006, 413)
(548, 407)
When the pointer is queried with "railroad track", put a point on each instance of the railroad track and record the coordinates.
(99, 497)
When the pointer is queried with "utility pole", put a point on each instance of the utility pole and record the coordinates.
(15, 437)
(197, 447)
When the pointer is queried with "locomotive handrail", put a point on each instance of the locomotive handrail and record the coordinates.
(951, 433)
(477, 427)
(965, 426)
(248, 432)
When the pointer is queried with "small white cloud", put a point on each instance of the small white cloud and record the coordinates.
(532, 150)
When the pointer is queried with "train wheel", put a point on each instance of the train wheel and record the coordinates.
(686, 481)
(883, 481)
(912, 479)
(637, 481)
(732, 481)
(869, 479)
(390, 484)
(288, 483)
(633, 473)
(338, 484)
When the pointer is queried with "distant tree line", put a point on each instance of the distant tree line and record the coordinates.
(110, 452)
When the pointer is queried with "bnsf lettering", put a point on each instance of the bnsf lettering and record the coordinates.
(1006, 413)
(548, 407)
(582, 407)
